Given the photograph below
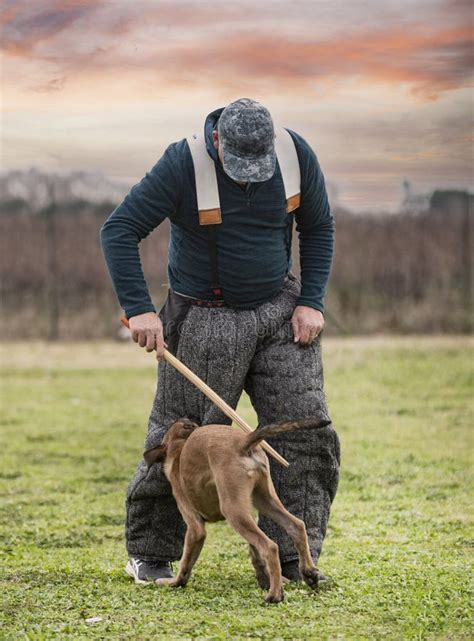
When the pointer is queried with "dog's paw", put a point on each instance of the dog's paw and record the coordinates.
(172, 583)
(275, 598)
(310, 577)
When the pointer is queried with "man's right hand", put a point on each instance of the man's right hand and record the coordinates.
(147, 331)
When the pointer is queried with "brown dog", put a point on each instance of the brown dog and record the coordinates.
(217, 473)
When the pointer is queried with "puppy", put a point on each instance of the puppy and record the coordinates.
(217, 473)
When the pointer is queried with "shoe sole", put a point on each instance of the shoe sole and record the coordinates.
(131, 573)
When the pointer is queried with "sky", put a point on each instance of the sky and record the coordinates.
(382, 90)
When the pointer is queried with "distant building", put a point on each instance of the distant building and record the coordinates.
(412, 202)
(452, 200)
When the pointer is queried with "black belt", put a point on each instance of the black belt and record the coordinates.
(207, 303)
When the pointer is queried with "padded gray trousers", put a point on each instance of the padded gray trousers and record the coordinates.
(233, 350)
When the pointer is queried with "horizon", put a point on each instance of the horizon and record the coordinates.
(414, 201)
(393, 80)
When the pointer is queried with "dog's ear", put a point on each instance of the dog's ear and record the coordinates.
(155, 454)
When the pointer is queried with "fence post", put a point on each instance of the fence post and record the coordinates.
(466, 258)
(50, 213)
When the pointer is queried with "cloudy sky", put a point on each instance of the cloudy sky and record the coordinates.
(379, 88)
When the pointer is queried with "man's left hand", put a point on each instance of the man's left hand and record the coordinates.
(307, 324)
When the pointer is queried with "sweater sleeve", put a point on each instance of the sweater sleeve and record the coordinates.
(147, 205)
(315, 226)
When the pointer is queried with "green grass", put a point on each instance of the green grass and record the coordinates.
(400, 538)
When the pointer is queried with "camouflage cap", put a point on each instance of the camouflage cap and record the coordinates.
(247, 137)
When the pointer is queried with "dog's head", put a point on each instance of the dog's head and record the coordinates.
(174, 439)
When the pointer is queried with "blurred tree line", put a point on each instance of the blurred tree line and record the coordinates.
(404, 272)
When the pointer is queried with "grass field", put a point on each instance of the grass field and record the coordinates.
(399, 543)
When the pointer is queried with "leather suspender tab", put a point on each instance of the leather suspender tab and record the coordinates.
(293, 203)
(210, 216)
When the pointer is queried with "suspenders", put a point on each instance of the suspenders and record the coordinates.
(290, 168)
(206, 182)
(208, 193)
(208, 202)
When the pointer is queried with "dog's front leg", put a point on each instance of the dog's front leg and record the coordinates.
(260, 568)
(193, 542)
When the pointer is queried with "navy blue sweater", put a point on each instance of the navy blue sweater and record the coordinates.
(253, 240)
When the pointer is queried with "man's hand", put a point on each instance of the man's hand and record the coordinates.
(147, 331)
(307, 324)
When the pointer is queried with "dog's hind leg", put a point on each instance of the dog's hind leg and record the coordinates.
(260, 568)
(237, 510)
(193, 542)
(266, 500)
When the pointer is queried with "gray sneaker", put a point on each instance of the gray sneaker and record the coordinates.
(148, 571)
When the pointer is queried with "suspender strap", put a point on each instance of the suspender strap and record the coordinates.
(212, 245)
(289, 167)
(207, 193)
(206, 182)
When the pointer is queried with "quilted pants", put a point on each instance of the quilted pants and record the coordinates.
(233, 350)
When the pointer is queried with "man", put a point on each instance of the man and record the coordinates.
(235, 315)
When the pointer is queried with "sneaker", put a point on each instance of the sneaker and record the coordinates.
(148, 571)
(290, 571)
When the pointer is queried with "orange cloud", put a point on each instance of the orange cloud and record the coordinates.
(431, 62)
(431, 58)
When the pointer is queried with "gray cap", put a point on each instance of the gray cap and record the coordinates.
(247, 136)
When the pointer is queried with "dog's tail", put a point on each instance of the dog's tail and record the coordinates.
(258, 435)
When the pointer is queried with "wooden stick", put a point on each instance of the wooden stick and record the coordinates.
(215, 398)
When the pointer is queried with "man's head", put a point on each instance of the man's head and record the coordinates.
(245, 140)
